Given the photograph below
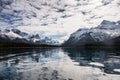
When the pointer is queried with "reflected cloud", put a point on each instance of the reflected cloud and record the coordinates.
(106, 60)
(59, 64)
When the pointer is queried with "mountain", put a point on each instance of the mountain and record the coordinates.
(107, 33)
(62, 16)
(16, 36)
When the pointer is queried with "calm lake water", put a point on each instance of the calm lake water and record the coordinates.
(59, 64)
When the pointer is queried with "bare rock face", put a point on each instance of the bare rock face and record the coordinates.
(17, 36)
(106, 33)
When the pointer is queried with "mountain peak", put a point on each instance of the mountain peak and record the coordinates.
(48, 15)
(15, 35)
(106, 31)
(105, 24)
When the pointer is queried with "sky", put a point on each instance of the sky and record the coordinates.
(57, 18)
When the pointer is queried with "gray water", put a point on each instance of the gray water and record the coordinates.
(59, 64)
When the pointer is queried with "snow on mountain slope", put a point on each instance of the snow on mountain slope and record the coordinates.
(109, 25)
(56, 18)
(15, 35)
(106, 31)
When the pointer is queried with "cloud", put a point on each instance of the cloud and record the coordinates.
(59, 18)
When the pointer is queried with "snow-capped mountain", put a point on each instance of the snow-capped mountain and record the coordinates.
(107, 32)
(56, 18)
(17, 36)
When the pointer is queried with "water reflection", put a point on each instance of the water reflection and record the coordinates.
(59, 64)
(106, 60)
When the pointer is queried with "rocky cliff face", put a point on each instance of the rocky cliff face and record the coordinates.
(17, 36)
(105, 33)
(56, 18)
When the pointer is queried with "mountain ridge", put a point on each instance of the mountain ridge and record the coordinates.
(107, 33)
(16, 36)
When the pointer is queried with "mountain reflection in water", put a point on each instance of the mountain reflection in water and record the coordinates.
(59, 64)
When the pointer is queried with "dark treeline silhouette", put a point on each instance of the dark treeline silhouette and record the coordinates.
(23, 45)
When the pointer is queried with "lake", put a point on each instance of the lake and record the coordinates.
(59, 64)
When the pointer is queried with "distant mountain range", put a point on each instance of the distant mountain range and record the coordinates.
(26, 22)
(56, 18)
(105, 34)
(15, 36)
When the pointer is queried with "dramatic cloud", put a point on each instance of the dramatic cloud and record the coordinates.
(57, 18)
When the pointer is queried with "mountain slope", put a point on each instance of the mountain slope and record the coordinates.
(107, 33)
(16, 36)
(56, 18)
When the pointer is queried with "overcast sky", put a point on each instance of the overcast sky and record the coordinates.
(59, 18)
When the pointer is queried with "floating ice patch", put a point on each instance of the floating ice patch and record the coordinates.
(97, 64)
(117, 70)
